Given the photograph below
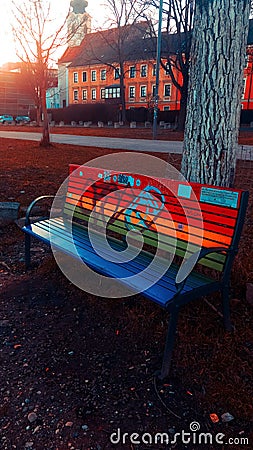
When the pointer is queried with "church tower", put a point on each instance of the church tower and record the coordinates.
(78, 22)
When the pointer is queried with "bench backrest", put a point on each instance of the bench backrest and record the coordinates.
(192, 215)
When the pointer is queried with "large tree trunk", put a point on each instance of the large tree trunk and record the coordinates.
(215, 90)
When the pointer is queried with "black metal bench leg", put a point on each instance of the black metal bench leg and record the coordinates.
(226, 308)
(27, 251)
(170, 339)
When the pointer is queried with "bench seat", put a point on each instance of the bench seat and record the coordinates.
(162, 292)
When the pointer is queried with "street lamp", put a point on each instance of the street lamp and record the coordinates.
(158, 58)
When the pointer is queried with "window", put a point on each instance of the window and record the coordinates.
(93, 94)
(93, 75)
(132, 92)
(116, 73)
(153, 90)
(244, 87)
(103, 74)
(167, 90)
(143, 91)
(84, 94)
(75, 77)
(102, 93)
(75, 95)
(84, 77)
(112, 92)
(144, 70)
(166, 108)
(132, 72)
(167, 69)
(154, 70)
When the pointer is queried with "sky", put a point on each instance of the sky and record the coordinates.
(59, 9)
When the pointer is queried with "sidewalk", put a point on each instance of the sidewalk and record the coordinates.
(140, 145)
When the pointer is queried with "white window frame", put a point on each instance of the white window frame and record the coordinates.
(166, 71)
(244, 87)
(167, 84)
(93, 91)
(75, 95)
(84, 72)
(75, 77)
(84, 94)
(145, 89)
(134, 92)
(93, 75)
(134, 71)
(146, 70)
(116, 73)
(103, 74)
(102, 93)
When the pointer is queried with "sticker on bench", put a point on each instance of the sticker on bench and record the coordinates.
(184, 190)
(126, 180)
(219, 197)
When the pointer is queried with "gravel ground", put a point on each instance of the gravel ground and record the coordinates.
(76, 369)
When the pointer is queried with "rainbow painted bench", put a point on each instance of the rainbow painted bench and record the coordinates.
(147, 235)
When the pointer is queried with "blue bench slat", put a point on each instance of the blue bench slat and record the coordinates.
(145, 257)
(161, 292)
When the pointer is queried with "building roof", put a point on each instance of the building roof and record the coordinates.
(137, 43)
(69, 54)
(102, 46)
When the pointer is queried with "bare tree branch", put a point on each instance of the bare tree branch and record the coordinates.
(124, 16)
(179, 23)
(37, 38)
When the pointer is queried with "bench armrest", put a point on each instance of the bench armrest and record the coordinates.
(188, 265)
(30, 207)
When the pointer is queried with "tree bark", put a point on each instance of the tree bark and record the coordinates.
(215, 90)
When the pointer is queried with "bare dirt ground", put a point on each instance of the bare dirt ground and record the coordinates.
(76, 368)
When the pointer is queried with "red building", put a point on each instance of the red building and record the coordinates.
(92, 69)
(93, 73)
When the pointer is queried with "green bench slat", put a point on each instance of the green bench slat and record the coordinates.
(214, 260)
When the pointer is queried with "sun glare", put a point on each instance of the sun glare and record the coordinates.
(7, 48)
(59, 10)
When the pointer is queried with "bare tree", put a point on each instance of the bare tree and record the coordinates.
(215, 90)
(124, 24)
(176, 44)
(37, 39)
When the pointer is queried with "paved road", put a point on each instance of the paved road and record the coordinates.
(140, 145)
(114, 143)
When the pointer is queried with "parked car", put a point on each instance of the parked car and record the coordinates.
(6, 118)
(22, 119)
